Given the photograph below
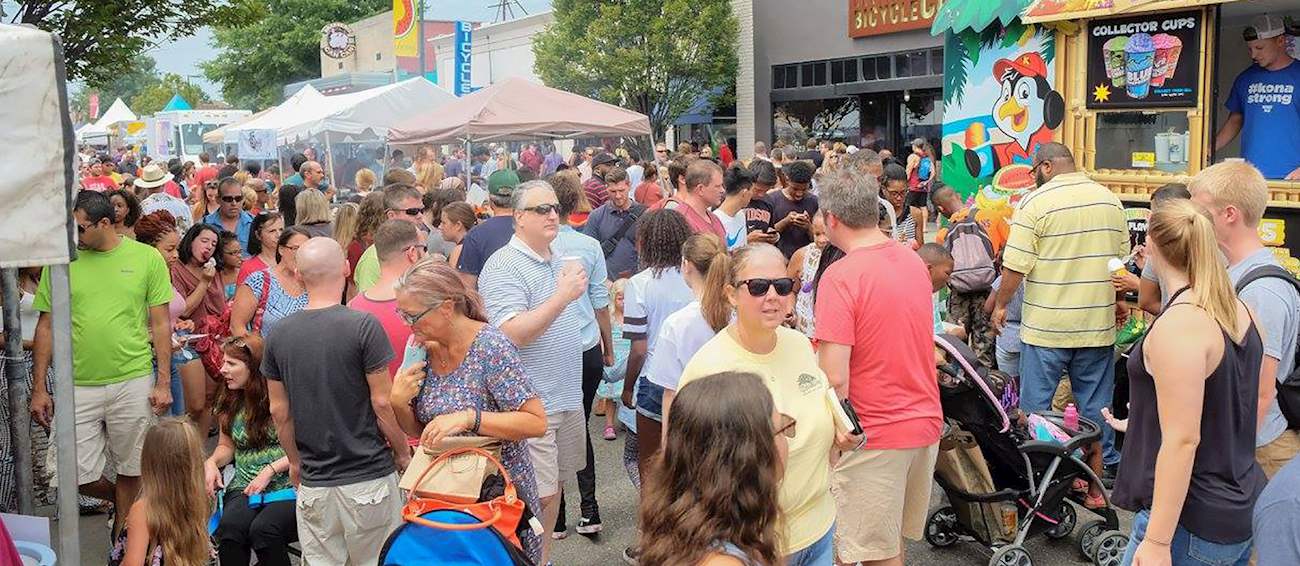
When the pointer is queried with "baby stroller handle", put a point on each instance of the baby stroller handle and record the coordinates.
(983, 387)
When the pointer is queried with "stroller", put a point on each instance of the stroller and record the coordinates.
(1024, 485)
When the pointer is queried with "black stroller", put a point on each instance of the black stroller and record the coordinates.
(1031, 480)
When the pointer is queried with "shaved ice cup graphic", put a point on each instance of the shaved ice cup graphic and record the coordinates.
(1113, 50)
(1168, 49)
(1139, 60)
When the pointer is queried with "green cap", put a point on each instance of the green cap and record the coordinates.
(502, 182)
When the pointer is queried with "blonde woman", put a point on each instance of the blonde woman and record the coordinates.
(346, 219)
(428, 173)
(365, 181)
(313, 213)
(168, 522)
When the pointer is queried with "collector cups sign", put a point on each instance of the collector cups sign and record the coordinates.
(1144, 62)
(337, 40)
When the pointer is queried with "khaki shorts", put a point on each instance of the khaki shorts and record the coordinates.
(348, 524)
(111, 421)
(872, 513)
(1274, 455)
(561, 452)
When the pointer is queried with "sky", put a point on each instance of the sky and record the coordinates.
(183, 56)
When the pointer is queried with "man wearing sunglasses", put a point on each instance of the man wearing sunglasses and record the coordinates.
(530, 292)
(401, 202)
(230, 215)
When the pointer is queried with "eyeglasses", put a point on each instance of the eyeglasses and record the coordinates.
(231, 198)
(758, 287)
(81, 229)
(291, 248)
(544, 209)
(785, 425)
(410, 211)
(410, 319)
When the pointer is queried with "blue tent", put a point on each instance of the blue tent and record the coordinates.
(177, 103)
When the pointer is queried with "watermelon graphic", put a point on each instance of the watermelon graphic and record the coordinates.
(403, 17)
(1009, 184)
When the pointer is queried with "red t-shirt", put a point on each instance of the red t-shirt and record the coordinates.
(648, 193)
(173, 189)
(877, 300)
(99, 184)
(398, 332)
(355, 250)
(698, 224)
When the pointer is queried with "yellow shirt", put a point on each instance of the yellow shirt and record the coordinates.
(1062, 236)
(798, 387)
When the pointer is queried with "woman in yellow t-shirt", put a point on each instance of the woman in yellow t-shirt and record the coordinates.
(756, 342)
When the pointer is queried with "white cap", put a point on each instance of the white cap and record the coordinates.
(1266, 26)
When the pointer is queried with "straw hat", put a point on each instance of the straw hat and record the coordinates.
(152, 177)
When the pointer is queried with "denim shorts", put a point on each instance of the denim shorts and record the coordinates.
(184, 355)
(650, 399)
(820, 553)
(1187, 549)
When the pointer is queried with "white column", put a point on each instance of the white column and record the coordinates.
(744, 12)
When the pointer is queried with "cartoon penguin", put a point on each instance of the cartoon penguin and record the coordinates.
(1027, 110)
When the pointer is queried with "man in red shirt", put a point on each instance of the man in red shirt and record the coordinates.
(206, 171)
(875, 329)
(97, 181)
(703, 192)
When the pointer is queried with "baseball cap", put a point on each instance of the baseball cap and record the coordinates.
(603, 158)
(1265, 26)
(502, 182)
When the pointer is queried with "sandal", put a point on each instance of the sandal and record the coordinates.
(1094, 502)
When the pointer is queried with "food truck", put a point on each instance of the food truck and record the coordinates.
(1138, 89)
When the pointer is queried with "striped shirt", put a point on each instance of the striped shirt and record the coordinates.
(516, 280)
(1062, 236)
(647, 302)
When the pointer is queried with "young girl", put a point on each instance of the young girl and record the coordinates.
(609, 390)
(168, 522)
(229, 260)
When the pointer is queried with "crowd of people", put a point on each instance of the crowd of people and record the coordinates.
(715, 311)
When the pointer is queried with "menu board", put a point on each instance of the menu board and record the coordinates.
(1145, 61)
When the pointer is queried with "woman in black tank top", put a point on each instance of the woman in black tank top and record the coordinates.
(1189, 466)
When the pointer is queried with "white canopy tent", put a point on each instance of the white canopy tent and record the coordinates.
(286, 113)
(117, 112)
(367, 114)
(218, 136)
(92, 134)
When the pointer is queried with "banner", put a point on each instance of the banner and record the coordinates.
(406, 39)
(160, 139)
(464, 57)
(1138, 62)
(94, 106)
(257, 144)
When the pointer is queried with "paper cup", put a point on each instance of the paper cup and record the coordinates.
(1139, 61)
(1113, 50)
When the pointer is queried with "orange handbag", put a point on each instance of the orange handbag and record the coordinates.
(502, 513)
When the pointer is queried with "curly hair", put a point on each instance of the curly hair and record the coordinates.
(716, 478)
(659, 238)
(371, 215)
(132, 206)
(153, 226)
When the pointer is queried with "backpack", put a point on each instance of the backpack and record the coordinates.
(973, 266)
(1288, 390)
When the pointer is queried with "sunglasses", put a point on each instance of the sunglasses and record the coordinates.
(786, 425)
(544, 209)
(231, 198)
(758, 287)
(410, 211)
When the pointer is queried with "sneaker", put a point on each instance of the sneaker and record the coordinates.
(560, 534)
(1108, 473)
(630, 555)
(610, 434)
(588, 526)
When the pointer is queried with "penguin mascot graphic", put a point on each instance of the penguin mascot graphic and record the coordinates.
(1027, 110)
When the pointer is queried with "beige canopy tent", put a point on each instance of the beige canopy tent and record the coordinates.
(516, 110)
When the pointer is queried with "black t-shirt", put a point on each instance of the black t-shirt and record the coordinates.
(758, 216)
(322, 357)
(484, 240)
(792, 237)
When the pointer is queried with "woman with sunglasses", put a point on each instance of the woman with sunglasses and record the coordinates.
(472, 380)
(713, 497)
(757, 342)
(248, 440)
(267, 296)
(263, 235)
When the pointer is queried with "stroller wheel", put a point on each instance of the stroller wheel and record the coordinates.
(1088, 536)
(1067, 518)
(941, 527)
(1108, 550)
(1011, 555)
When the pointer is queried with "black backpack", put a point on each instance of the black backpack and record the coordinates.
(1288, 390)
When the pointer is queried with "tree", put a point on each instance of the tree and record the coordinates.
(134, 75)
(155, 96)
(653, 56)
(99, 35)
(279, 43)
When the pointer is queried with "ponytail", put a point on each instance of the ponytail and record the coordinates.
(713, 301)
(1184, 234)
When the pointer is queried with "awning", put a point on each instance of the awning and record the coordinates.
(957, 16)
(1056, 10)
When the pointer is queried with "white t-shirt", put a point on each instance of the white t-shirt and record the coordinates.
(734, 227)
(647, 302)
(680, 337)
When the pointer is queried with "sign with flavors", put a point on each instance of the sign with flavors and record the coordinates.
(1144, 62)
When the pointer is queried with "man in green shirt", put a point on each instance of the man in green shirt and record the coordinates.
(120, 325)
(402, 202)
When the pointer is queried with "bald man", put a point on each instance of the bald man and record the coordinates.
(328, 382)
(312, 175)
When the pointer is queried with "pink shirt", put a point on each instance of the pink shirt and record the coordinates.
(877, 300)
(398, 332)
(708, 223)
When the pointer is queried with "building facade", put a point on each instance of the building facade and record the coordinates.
(500, 50)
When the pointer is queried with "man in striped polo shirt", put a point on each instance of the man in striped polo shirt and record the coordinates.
(530, 293)
(1062, 236)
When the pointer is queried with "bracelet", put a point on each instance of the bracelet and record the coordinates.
(478, 420)
(1156, 542)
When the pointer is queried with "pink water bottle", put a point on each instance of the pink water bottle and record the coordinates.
(1071, 418)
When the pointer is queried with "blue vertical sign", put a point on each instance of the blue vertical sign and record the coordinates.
(464, 57)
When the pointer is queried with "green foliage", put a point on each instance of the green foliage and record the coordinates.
(133, 76)
(155, 96)
(276, 43)
(653, 56)
(99, 36)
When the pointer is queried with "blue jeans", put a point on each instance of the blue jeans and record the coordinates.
(820, 553)
(1187, 549)
(1092, 380)
(650, 399)
(177, 388)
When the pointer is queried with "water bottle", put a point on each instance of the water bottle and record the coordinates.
(1071, 418)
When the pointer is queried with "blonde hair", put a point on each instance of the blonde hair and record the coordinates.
(1233, 183)
(311, 207)
(171, 483)
(346, 220)
(365, 179)
(1184, 236)
(708, 256)
(428, 176)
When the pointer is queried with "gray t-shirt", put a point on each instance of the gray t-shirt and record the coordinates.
(1149, 273)
(1277, 311)
(322, 357)
(1009, 339)
(1277, 518)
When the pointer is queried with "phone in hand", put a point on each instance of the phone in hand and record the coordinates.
(414, 352)
(846, 419)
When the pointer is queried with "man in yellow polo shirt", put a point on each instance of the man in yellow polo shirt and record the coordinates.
(1062, 236)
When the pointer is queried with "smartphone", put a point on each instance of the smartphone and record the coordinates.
(846, 419)
(853, 416)
(414, 352)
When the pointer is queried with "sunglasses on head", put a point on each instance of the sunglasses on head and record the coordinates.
(758, 287)
(544, 209)
(231, 198)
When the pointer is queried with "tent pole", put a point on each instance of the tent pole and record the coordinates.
(329, 158)
(469, 161)
(65, 418)
(20, 424)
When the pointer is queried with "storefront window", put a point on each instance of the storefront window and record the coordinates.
(835, 118)
(1142, 140)
(921, 116)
